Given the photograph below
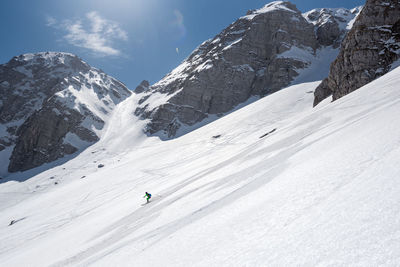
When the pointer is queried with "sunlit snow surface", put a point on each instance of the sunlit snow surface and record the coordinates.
(323, 189)
(273, 6)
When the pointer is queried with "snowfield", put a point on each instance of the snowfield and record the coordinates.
(321, 188)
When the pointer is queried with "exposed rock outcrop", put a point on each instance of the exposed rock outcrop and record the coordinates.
(367, 52)
(52, 104)
(258, 54)
(142, 87)
(331, 24)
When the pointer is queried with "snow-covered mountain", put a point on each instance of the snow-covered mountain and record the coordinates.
(51, 104)
(276, 183)
(258, 54)
(54, 104)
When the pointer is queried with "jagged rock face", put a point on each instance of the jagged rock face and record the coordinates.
(254, 56)
(41, 138)
(367, 52)
(143, 86)
(331, 24)
(52, 104)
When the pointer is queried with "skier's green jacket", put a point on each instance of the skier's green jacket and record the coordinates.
(148, 195)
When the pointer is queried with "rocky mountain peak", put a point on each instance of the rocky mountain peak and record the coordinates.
(52, 104)
(143, 86)
(49, 58)
(260, 53)
(52, 62)
(276, 6)
(331, 24)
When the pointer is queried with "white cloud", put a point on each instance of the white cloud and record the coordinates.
(93, 33)
(50, 21)
(178, 23)
(178, 17)
(106, 27)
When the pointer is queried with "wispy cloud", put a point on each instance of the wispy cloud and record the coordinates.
(179, 23)
(50, 21)
(178, 18)
(94, 33)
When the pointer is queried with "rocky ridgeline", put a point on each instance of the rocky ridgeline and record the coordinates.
(367, 52)
(332, 24)
(52, 104)
(256, 55)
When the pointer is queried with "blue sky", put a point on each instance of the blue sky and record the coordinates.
(131, 40)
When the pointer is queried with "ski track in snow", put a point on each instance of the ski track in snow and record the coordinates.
(322, 189)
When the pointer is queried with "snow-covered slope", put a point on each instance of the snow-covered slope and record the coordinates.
(275, 183)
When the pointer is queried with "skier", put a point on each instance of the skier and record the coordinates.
(148, 195)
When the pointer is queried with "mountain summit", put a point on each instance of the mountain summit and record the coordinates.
(52, 104)
(260, 53)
